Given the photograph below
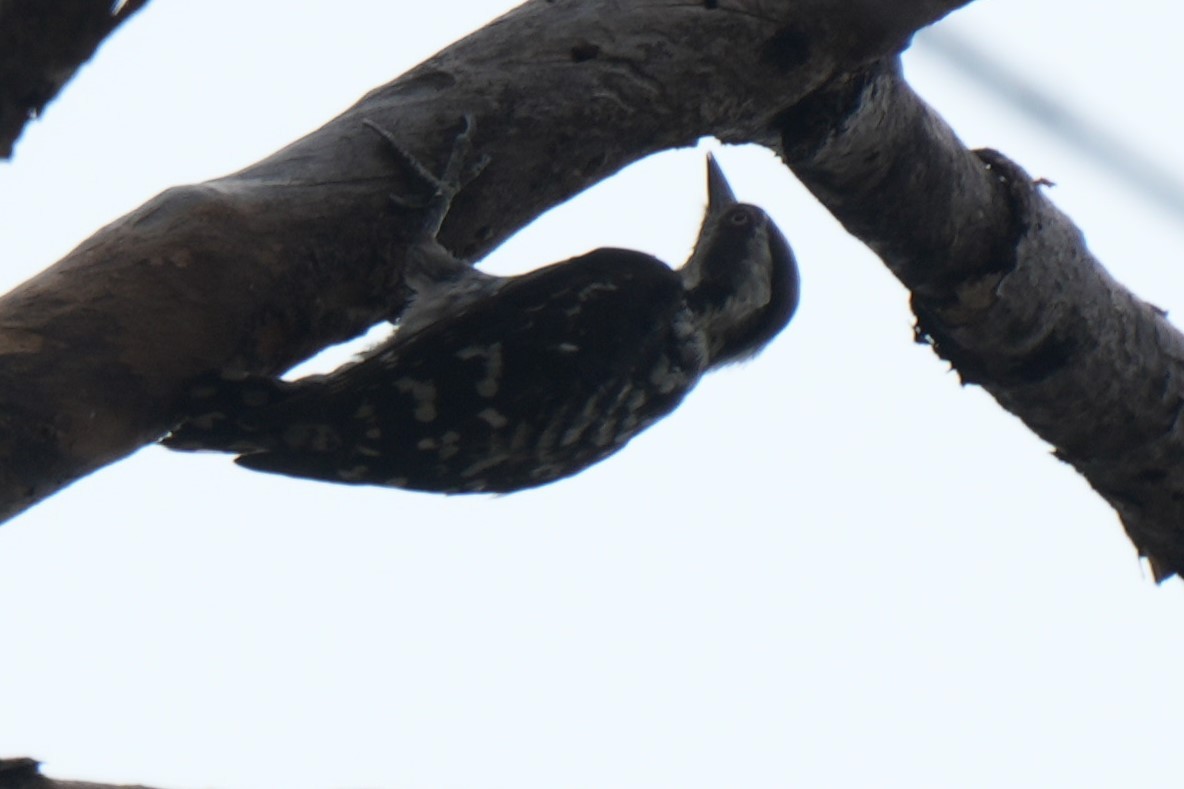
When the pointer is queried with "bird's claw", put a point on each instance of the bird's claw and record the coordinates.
(459, 171)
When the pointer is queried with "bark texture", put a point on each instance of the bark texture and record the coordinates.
(262, 268)
(1005, 290)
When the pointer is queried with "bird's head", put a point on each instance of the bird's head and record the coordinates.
(741, 279)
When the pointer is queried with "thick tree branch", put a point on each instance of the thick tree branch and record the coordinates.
(1004, 288)
(260, 269)
(42, 45)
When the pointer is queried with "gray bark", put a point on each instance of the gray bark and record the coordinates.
(262, 268)
(1004, 289)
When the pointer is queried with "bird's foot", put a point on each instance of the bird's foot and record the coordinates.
(459, 171)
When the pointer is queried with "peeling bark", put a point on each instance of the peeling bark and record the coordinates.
(1006, 291)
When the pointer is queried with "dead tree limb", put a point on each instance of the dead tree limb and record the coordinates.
(262, 268)
(1005, 290)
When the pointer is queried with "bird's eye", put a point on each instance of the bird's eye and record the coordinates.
(738, 218)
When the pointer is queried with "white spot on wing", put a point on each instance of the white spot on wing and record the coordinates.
(493, 418)
(314, 437)
(492, 354)
(424, 395)
(353, 474)
(595, 287)
(482, 465)
(449, 444)
(587, 416)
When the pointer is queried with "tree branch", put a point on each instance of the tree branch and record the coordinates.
(1004, 288)
(262, 268)
(25, 773)
(42, 44)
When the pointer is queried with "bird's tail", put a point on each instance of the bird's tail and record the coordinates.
(230, 415)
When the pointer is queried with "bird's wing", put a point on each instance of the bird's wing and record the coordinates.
(559, 369)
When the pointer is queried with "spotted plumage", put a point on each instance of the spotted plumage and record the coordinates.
(522, 380)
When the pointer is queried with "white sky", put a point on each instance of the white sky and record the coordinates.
(831, 567)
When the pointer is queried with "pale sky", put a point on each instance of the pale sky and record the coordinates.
(831, 567)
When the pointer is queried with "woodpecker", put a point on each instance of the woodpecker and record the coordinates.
(499, 384)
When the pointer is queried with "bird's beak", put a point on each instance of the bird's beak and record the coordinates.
(719, 192)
